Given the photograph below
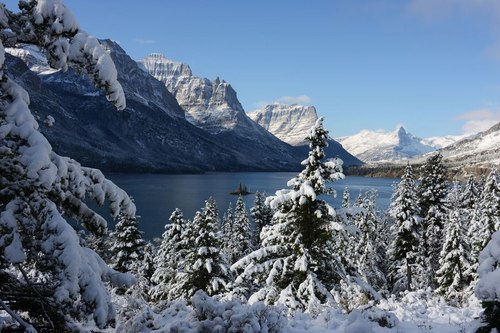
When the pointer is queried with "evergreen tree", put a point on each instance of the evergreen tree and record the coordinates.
(345, 198)
(169, 256)
(261, 215)
(454, 259)
(296, 265)
(432, 203)
(227, 230)
(469, 195)
(405, 245)
(369, 248)
(240, 240)
(127, 244)
(485, 219)
(39, 189)
(205, 266)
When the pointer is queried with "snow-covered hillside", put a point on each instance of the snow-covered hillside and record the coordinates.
(480, 149)
(370, 146)
(290, 123)
(439, 142)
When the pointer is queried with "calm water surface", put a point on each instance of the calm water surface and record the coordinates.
(156, 196)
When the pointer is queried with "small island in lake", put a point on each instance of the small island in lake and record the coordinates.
(241, 190)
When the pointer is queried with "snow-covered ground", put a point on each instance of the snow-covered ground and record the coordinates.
(414, 312)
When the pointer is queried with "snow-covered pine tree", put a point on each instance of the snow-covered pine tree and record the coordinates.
(227, 230)
(469, 195)
(432, 204)
(454, 259)
(169, 256)
(405, 244)
(296, 265)
(485, 219)
(40, 189)
(205, 266)
(261, 215)
(240, 243)
(370, 247)
(127, 244)
(345, 198)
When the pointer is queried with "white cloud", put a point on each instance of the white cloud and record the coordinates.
(301, 99)
(144, 41)
(478, 120)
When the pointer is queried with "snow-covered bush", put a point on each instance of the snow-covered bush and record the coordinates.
(39, 189)
(207, 314)
(488, 286)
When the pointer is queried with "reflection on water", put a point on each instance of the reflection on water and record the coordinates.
(157, 195)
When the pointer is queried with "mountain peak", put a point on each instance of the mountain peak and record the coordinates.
(290, 123)
(401, 130)
(370, 146)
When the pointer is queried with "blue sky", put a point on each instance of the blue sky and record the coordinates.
(430, 65)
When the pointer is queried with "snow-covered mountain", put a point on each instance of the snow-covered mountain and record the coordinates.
(290, 123)
(150, 134)
(211, 105)
(476, 150)
(439, 142)
(370, 146)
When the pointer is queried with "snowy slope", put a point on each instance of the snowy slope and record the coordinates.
(439, 142)
(480, 149)
(290, 123)
(370, 146)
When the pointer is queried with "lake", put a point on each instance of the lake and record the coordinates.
(157, 195)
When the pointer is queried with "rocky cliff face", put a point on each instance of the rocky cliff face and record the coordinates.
(211, 105)
(371, 146)
(289, 123)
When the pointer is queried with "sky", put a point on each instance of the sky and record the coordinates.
(432, 66)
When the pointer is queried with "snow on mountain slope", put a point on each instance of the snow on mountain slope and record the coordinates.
(370, 146)
(479, 149)
(289, 123)
(33, 57)
(439, 142)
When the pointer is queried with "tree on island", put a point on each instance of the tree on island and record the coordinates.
(39, 189)
(296, 265)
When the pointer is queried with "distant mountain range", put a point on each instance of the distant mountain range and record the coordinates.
(479, 150)
(371, 146)
(181, 124)
(291, 124)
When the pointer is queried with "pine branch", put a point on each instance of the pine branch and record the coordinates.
(28, 328)
(42, 299)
